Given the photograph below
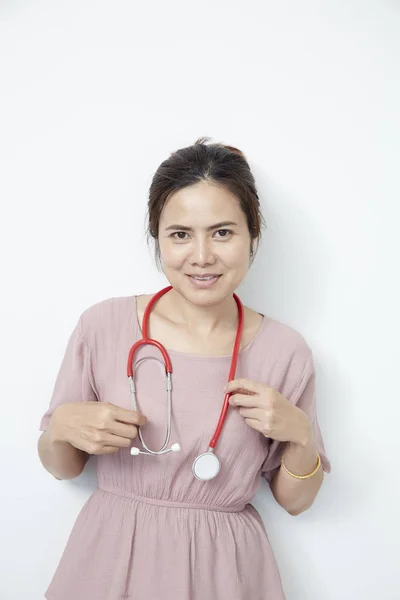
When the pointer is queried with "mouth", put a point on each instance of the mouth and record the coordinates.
(203, 281)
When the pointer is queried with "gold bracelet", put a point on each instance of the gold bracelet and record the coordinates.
(303, 476)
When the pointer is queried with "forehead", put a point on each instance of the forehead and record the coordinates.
(202, 204)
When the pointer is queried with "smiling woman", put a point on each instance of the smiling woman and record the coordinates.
(218, 230)
(202, 250)
(222, 166)
(153, 528)
(204, 217)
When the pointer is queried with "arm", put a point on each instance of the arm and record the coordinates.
(297, 495)
(58, 457)
(293, 429)
(79, 429)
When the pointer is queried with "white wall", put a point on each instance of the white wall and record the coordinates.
(94, 95)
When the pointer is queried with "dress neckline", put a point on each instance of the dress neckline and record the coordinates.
(265, 321)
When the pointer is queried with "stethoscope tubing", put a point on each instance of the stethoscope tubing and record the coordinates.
(231, 376)
(168, 370)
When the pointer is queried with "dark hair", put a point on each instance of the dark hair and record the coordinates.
(223, 165)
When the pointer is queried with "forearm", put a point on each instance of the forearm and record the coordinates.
(297, 495)
(60, 458)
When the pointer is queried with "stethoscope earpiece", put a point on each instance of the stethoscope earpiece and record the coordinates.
(174, 448)
(207, 465)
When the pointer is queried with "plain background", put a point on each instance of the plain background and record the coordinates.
(94, 95)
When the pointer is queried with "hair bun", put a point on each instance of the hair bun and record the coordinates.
(234, 150)
(205, 140)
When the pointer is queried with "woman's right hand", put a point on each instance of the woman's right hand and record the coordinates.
(95, 427)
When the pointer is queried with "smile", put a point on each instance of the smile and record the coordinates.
(203, 280)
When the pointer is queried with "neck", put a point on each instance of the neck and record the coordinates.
(201, 319)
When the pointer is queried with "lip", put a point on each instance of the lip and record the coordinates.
(203, 274)
(206, 283)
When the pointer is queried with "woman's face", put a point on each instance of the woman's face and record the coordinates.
(204, 242)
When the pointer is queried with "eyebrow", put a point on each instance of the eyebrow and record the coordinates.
(216, 226)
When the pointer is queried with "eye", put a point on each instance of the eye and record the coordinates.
(178, 235)
(225, 233)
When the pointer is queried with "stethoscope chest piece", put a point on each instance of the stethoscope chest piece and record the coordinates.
(206, 466)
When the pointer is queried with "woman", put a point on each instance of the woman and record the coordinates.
(153, 529)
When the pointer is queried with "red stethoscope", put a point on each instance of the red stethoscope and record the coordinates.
(207, 465)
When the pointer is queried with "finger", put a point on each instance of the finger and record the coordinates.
(254, 424)
(247, 385)
(129, 416)
(110, 439)
(123, 430)
(245, 400)
(108, 450)
(252, 413)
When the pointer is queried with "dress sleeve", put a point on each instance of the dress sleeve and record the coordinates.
(75, 381)
(304, 398)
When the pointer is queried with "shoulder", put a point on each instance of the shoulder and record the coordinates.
(289, 338)
(106, 314)
(285, 351)
(280, 335)
(282, 358)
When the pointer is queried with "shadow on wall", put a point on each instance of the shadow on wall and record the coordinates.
(292, 261)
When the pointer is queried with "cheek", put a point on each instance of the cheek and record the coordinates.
(172, 255)
(236, 256)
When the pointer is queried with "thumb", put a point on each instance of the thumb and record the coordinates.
(242, 386)
(142, 420)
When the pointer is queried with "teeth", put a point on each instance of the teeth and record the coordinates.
(203, 278)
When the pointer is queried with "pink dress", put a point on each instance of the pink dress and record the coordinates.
(152, 530)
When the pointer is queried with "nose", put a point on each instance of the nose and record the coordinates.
(202, 253)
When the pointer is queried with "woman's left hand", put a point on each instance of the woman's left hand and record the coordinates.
(267, 411)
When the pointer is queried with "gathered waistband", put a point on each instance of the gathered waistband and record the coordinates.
(169, 503)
